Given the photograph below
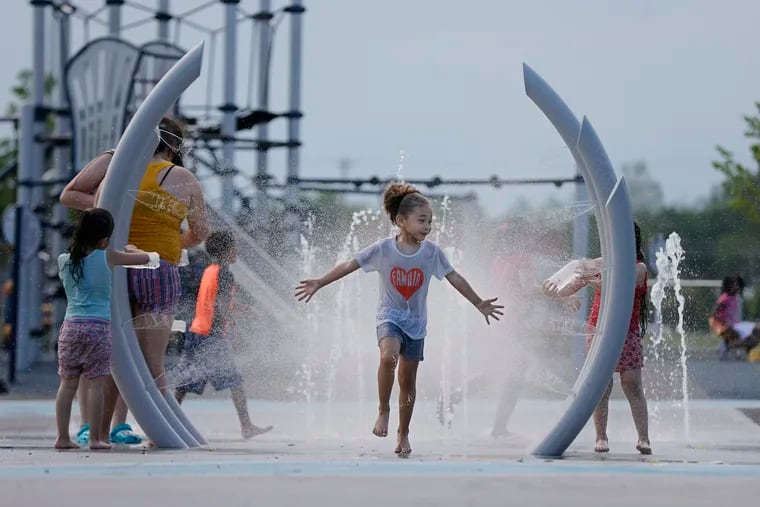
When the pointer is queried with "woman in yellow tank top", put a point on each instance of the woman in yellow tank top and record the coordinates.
(168, 195)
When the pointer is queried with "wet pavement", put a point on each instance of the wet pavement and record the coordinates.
(323, 454)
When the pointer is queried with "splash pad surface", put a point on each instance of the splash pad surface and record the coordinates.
(448, 466)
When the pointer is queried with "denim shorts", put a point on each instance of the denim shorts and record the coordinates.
(207, 359)
(410, 349)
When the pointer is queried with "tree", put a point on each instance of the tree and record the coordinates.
(646, 192)
(742, 184)
(20, 93)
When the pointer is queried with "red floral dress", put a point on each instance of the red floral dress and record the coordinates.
(632, 356)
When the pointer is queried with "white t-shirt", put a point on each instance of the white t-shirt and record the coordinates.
(404, 281)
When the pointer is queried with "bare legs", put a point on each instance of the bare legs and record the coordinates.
(95, 402)
(508, 397)
(153, 331)
(600, 421)
(630, 381)
(82, 400)
(390, 348)
(247, 428)
(239, 399)
(110, 397)
(66, 392)
(114, 409)
(407, 383)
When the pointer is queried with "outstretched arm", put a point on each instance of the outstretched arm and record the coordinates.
(79, 193)
(131, 256)
(307, 288)
(484, 306)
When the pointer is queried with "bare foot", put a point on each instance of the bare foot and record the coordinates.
(602, 445)
(404, 448)
(381, 424)
(65, 443)
(644, 447)
(99, 445)
(253, 430)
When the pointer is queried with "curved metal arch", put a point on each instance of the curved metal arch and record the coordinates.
(615, 221)
(162, 421)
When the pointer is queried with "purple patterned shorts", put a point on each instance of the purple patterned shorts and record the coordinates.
(155, 290)
(84, 348)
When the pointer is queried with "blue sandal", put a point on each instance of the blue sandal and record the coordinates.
(83, 435)
(122, 434)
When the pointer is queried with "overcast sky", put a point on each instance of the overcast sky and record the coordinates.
(662, 81)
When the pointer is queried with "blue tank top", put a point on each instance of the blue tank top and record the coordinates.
(91, 296)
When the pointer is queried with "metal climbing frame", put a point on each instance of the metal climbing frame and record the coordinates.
(104, 89)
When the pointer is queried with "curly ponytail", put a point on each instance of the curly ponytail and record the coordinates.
(401, 199)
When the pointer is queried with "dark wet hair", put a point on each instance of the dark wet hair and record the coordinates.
(401, 199)
(219, 243)
(731, 282)
(643, 301)
(171, 138)
(93, 226)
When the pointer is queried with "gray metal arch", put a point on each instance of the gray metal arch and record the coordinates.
(615, 222)
(160, 418)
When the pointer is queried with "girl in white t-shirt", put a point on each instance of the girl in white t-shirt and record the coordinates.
(405, 264)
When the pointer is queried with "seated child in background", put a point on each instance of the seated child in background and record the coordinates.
(724, 321)
(207, 352)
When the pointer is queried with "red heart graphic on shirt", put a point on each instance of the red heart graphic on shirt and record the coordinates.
(407, 282)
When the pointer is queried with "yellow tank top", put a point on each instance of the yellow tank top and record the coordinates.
(157, 216)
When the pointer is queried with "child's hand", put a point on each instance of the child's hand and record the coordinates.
(550, 288)
(488, 309)
(306, 289)
(132, 249)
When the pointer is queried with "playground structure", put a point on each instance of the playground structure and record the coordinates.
(101, 84)
(98, 90)
(93, 127)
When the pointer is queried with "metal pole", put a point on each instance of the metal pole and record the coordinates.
(229, 108)
(263, 19)
(63, 158)
(163, 17)
(14, 297)
(27, 283)
(114, 17)
(296, 25)
(22, 283)
(292, 218)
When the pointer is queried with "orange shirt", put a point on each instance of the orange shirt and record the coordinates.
(206, 302)
(214, 307)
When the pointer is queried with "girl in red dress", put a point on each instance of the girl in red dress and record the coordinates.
(589, 272)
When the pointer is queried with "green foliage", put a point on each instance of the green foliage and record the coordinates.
(718, 241)
(742, 184)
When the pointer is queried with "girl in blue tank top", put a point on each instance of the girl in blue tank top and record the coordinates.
(84, 341)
